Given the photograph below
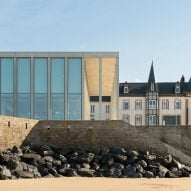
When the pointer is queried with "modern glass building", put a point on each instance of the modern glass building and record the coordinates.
(57, 85)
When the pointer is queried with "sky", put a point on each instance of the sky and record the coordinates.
(140, 30)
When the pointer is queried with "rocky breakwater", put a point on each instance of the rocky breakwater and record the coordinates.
(36, 162)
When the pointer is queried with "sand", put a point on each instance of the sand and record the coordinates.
(96, 184)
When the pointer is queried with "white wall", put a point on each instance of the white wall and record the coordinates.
(104, 115)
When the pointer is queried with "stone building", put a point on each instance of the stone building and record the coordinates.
(155, 103)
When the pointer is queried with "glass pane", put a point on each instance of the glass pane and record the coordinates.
(24, 105)
(57, 106)
(40, 75)
(57, 75)
(40, 106)
(74, 75)
(7, 104)
(23, 75)
(6, 75)
(74, 106)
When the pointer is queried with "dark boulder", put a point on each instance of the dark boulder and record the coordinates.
(148, 174)
(24, 174)
(120, 158)
(86, 172)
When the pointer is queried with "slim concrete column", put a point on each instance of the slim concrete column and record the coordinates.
(15, 88)
(66, 88)
(82, 89)
(100, 88)
(117, 88)
(49, 88)
(32, 87)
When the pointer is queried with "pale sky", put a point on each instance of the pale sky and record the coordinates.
(141, 30)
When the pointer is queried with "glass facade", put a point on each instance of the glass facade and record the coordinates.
(74, 88)
(6, 91)
(23, 98)
(40, 88)
(37, 87)
(57, 88)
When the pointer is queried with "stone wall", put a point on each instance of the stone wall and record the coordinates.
(63, 134)
(13, 131)
(177, 136)
(88, 134)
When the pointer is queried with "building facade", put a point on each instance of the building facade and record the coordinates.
(58, 85)
(155, 103)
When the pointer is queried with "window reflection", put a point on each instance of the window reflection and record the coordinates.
(23, 75)
(40, 106)
(6, 75)
(74, 106)
(7, 104)
(24, 105)
(57, 106)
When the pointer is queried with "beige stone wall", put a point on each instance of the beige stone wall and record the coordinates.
(64, 134)
(132, 112)
(13, 131)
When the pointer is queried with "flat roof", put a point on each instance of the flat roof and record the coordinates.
(58, 54)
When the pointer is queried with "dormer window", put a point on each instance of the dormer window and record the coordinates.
(177, 89)
(126, 90)
(152, 87)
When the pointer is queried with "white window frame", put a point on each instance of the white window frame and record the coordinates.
(165, 104)
(138, 104)
(92, 108)
(177, 89)
(107, 108)
(124, 105)
(177, 104)
(152, 87)
(126, 90)
(152, 119)
(126, 118)
(138, 120)
(152, 104)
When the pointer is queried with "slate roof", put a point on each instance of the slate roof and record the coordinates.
(163, 88)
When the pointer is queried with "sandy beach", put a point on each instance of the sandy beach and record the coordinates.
(96, 184)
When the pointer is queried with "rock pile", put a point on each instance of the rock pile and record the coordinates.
(36, 162)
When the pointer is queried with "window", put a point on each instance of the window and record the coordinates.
(171, 120)
(23, 97)
(40, 88)
(6, 86)
(152, 104)
(57, 89)
(57, 106)
(107, 108)
(165, 104)
(125, 105)
(57, 75)
(152, 87)
(177, 89)
(152, 119)
(92, 108)
(74, 104)
(138, 120)
(126, 118)
(138, 104)
(177, 104)
(126, 90)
